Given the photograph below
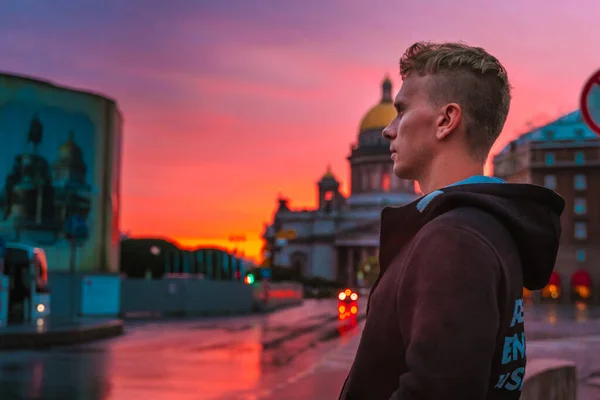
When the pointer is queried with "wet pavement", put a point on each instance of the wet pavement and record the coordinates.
(171, 359)
(224, 358)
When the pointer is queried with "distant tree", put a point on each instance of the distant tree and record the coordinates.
(140, 255)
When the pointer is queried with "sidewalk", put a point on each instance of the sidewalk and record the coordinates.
(51, 332)
(324, 380)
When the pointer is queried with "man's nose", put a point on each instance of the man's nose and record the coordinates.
(388, 132)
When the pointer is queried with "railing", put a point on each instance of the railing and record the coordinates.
(550, 379)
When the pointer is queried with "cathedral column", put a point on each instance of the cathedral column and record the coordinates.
(349, 265)
(363, 254)
(393, 179)
(334, 265)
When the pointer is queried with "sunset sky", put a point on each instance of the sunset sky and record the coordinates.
(227, 103)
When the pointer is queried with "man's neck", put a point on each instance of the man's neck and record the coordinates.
(445, 172)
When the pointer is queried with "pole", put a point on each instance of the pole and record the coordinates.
(72, 274)
(236, 240)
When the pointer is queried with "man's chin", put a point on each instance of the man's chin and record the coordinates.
(402, 172)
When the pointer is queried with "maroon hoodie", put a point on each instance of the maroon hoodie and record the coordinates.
(445, 317)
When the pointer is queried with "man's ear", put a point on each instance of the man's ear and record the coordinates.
(449, 119)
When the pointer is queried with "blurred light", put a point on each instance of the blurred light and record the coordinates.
(155, 250)
(41, 308)
(354, 296)
(249, 279)
(342, 309)
(353, 310)
(348, 292)
(583, 291)
(40, 325)
(552, 291)
(342, 296)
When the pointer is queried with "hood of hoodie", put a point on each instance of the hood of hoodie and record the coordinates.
(530, 213)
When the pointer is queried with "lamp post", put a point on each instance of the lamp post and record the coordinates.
(236, 239)
(75, 229)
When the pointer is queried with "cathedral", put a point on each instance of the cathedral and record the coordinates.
(39, 196)
(339, 240)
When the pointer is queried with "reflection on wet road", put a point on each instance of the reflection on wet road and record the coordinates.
(548, 321)
(216, 359)
(207, 359)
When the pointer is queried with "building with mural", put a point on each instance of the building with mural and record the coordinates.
(339, 239)
(564, 156)
(60, 161)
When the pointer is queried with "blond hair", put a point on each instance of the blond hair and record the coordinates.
(470, 77)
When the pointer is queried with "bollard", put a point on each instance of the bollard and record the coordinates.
(550, 379)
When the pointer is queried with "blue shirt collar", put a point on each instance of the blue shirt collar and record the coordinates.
(421, 205)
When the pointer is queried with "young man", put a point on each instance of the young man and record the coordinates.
(445, 317)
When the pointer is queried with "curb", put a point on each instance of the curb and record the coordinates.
(35, 340)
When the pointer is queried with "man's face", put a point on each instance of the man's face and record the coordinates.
(412, 132)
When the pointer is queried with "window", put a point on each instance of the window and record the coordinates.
(375, 180)
(580, 255)
(580, 182)
(579, 207)
(550, 159)
(579, 158)
(365, 180)
(580, 230)
(550, 181)
(385, 181)
(200, 261)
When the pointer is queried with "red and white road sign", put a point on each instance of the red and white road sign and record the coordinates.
(589, 102)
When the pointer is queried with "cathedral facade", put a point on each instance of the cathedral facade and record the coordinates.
(339, 240)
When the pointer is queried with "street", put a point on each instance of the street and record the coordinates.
(249, 358)
(211, 358)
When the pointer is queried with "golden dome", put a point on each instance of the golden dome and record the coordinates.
(380, 116)
(69, 149)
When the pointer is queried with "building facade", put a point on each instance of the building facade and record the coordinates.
(564, 156)
(339, 239)
(61, 162)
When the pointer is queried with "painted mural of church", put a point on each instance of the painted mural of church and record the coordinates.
(60, 163)
(339, 240)
(42, 188)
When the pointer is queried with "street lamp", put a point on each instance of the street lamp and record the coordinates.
(236, 239)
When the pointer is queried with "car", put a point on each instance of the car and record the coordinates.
(347, 304)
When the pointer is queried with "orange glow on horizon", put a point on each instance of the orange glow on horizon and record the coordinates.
(251, 248)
